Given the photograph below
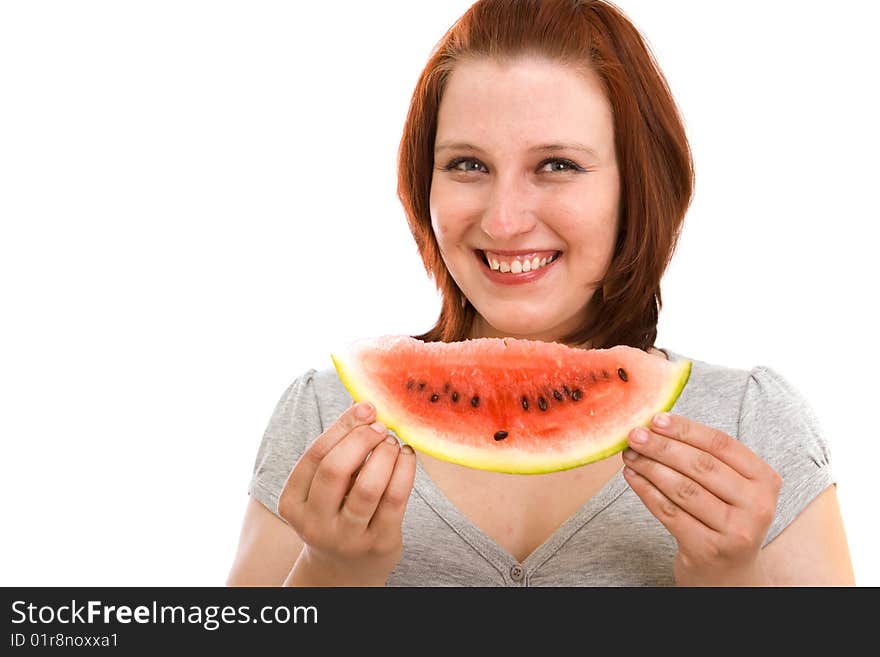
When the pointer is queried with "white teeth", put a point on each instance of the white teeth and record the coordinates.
(520, 266)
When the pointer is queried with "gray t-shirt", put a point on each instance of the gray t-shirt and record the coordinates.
(612, 540)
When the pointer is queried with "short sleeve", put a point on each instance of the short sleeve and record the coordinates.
(294, 425)
(778, 424)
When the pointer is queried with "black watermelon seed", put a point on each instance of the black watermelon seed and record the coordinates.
(542, 403)
(500, 435)
(455, 396)
(576, 395)
(446, 387)
(557, 395)
(622, 374)
(421, 385)
(567, 390)
(525, 404)
(410, 384)
(475, 402)
(435, 397)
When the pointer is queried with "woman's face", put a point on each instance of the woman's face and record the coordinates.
(525, 193)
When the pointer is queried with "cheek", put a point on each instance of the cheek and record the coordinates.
(444, 230)
(438, 225)
(590, 223)
(441, 230)
(454, 207)
(437, 206)
(586, 227)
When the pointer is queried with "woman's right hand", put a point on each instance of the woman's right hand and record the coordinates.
(345, 497)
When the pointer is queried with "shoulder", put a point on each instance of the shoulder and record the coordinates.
(709, 375)
(330, 394)
(759, 406)
(713, 394)
(317, 396)
(759, 390)
(312, 402)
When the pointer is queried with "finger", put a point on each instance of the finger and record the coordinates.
(682, 491)
(332, 478)
(687, 530)
(715, 442)
(300, 478)
(389, 513)
(354, 475)
(711, 473)
(362, 500)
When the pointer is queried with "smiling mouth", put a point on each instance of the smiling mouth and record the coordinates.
(520, 263)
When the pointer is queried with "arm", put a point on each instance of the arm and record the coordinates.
(267, 549)
(812, 550)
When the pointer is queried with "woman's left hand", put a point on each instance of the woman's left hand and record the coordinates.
(713, 494)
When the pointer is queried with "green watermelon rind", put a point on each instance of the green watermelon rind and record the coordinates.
(617, 446)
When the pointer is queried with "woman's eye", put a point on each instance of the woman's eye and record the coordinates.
(456, 165)
(561, 165)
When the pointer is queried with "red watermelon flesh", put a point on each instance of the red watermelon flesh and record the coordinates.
(510, 405)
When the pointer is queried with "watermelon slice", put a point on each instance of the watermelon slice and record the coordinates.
(510, 405)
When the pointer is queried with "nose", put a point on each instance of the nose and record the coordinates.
(508, 212)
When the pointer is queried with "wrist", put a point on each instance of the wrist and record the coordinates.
(752, 574)
(311, 570)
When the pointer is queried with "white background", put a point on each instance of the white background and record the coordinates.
(198, 201)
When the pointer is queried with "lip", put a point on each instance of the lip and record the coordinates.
(518, 253)
(514, 279)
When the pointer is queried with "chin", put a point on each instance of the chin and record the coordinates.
(525, 328)
(521, 319)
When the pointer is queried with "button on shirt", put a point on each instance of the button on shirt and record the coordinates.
(517, 573)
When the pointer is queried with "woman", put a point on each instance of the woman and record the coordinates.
(545, 173)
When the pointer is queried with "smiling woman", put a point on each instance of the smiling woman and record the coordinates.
(545, 175)
(603, 143)
(517, 202)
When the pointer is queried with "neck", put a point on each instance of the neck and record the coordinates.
(480, 328)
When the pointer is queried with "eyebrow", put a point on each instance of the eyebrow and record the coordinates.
(558, 146)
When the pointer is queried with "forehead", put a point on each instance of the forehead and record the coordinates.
(522, 101)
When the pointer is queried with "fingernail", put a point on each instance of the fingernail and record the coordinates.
(378, 427)
(406, 449)
(629, 455)
(661, 420)
(363, 411)
(639, 436)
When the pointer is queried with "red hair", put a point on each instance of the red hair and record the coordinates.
(653, 154)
